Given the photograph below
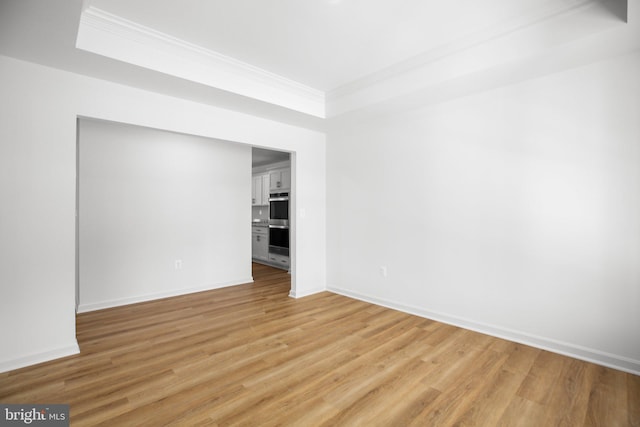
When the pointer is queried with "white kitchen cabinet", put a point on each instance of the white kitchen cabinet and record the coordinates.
(280, 179)
(256, 190)
(260, 243)
(260, 190)
(280, 261)
(265, 189)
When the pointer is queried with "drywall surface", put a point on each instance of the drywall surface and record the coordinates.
(39, 108)
(37, 193)
(160, 214)
(514, 212)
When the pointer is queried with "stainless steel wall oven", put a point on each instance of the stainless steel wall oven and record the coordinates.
(279, 223)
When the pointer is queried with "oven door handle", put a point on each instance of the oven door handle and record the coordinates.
(282, 227)
(279, 199)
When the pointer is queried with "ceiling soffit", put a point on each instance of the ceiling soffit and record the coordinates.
(526, 47)
(109, 35)
(553, 24)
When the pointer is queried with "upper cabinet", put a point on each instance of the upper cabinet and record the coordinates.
(265, 189)
(256, 190)
(280, 179)
(260, 190)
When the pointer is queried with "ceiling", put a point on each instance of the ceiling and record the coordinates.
(323, 44)
(303, 61)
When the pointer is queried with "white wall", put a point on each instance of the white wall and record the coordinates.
(514, 212)
(39, 107)
(149, 198)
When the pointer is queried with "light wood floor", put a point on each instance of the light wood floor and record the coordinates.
(250, 355)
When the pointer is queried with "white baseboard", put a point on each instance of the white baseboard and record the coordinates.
(83, 308)
(567, 349)
(36, 358)
(305, 293)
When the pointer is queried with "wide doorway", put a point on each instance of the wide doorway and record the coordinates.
(159, 214)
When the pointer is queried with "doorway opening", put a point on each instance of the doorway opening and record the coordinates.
(272, 197)
(158, 213)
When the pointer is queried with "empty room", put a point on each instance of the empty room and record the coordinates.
(325, 212)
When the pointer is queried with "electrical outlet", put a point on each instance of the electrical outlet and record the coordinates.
(178, 264)
(383, 271)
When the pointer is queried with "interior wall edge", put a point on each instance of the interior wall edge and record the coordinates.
(598, 357)
(305, 293)
(45, 356)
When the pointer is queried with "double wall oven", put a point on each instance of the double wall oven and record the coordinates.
(279, 223)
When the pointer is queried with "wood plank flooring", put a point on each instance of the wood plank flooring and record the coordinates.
(249, 355)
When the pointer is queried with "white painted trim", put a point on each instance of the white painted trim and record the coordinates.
(545, 11)
(113, 36)
(110, 35)
(306, 293)
(84, 308)
(504, 44)
(36, 358)
(567, 349)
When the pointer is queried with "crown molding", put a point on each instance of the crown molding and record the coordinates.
(545, 11)
(110, 35)
(519, 40)
(551, 24)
